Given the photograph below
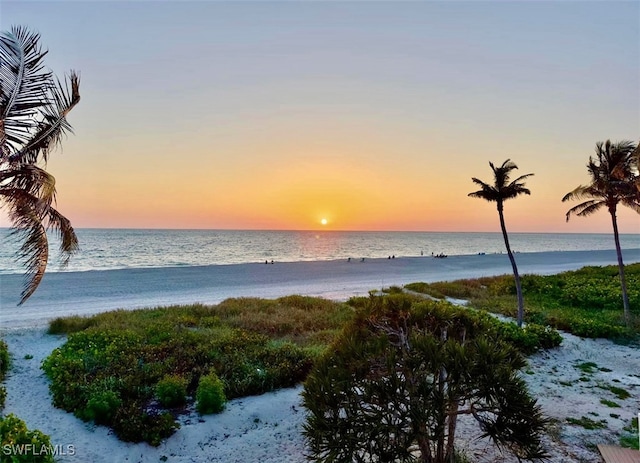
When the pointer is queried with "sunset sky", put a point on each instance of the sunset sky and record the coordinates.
(371, 115)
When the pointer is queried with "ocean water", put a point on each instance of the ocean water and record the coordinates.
(103, 249)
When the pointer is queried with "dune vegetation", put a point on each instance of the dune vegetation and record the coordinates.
(136, 371)
(585, 302)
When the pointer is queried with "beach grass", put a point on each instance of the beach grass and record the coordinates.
(306, 321)
(585, 302)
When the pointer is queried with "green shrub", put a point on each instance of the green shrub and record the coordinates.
(68, 325)
(597, 329)
(619, 392)
(102, 406)
(609, 403)
(134, 424)
(20, 445)
(527, 340)
(172, 391)
(546, 337)
(4, 359)
(629, 437)
(210, 396)
(115, 364)
(377, 394)
(587, 423)
(3, 396)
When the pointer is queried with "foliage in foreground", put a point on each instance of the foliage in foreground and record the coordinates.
(395, 383)
(584, 302)
(4, 367)
(134, 370)
(20, 445)
(17, 443)
(210, 396)
(629, 438)
(33, 120)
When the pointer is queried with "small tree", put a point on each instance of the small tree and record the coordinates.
(614, 181)
(33, 110)
(499, 192)
(392, 387)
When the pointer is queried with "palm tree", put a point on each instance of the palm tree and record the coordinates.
(33, 110)
(499, 192)
(614, 180)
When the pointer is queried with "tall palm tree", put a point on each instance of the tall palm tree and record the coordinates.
(614, 181)
(33, 110)
(499, 192)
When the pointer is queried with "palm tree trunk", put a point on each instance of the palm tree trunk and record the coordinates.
(625, 297)
(513, 266)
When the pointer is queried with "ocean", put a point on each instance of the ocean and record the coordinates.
(109, 249)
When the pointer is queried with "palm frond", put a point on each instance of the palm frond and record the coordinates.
(585, 209)
(614, 176)
(516, 188)
(502, 189)
(632, 203)
(583, 192)
(521, 178)
(636, 156)
(30, 179)
(54, 124)
(26, 213)
(24, 84)
(68, 239)
(487, 192)
(501, 174)
(33, 111)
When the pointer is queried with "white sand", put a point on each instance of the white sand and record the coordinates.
(67, 293)
(268, 428)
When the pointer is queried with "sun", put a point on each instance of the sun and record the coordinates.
(324, 221)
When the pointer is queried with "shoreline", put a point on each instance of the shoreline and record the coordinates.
(91, 292)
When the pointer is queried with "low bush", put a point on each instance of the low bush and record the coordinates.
(172, 391)
(21, 445)
(587, 423)
(629, 437)
(4, 359)
(135, 423)
(68, 325)
(113, 371)
(102, 407)
(210, 396)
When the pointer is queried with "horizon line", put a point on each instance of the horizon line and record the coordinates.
(316, 230)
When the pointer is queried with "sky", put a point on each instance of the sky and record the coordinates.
(369, 115)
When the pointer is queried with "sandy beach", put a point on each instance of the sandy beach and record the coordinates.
(268, 428)
(84, 293)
